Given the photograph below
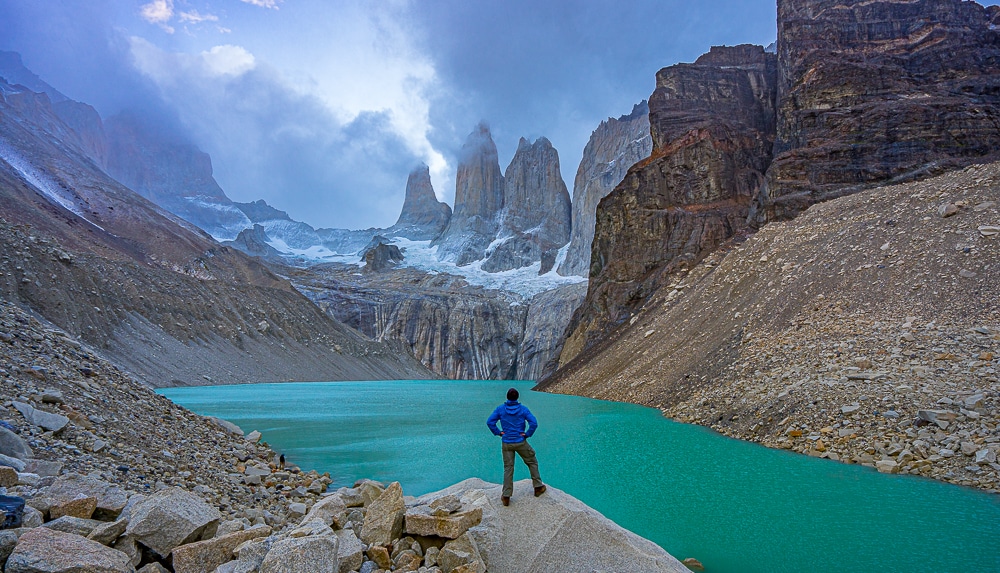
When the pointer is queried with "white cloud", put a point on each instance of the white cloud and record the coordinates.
(228, 60)
(194, 17)
(273, 4)
(159, 12)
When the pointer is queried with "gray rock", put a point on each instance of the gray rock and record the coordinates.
(75, 525)
(130, 547)
(8, 539)
(169, 518)
(554, 532)
(111, 499)
(297, 509)
(230, 526)
(41, 418)
(226, 425)
(11, 445)
(32, 518)
(350, 551)
(368, 567)
(370, 491)
(253, 437)
(46, 551)
(331, 510)
(317, 554)
(384, 519)
(850, 409)
(43, 468)
(940, 417)
(10, 462)
(153, 567)
(107, 533)
(463, 551)
(448, 503)
(986, 456)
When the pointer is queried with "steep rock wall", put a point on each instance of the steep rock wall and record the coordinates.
(614, 146)
(712, 125)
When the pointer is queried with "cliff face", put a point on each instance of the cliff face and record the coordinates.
(859, 93)
(712, 125)
(878, 91)
(536, 214)
(423, 217)
(478, 199)
(614, 146)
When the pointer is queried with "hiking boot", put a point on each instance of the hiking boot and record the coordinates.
(539, 490)
(505, 500)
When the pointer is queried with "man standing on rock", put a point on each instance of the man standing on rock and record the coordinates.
(513, 416)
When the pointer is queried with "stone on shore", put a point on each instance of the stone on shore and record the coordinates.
(419, 521)
(350, 551)
(8, 476)
(205, 556)
(41, 418)
(46, 551)
(111, 499)
(74, 525)
(331, 510)
(461, 552)
(8, 540)
(316, 554)
(107, 533)
(169, 518)
(7, 461)
(82, 506)
(13, 446)
(384, 519)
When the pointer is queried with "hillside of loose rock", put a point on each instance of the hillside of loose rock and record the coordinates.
(866, 331)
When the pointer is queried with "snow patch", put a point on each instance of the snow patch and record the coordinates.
(48, 186)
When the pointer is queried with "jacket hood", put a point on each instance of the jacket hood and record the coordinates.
(512, 406)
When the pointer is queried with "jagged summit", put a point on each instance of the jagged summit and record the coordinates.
(423, 217)
(478, 199)
(536, 215)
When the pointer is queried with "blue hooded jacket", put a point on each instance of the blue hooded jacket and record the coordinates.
(512, 417)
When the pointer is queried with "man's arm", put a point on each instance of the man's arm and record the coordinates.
(491, 422)
(532, 423)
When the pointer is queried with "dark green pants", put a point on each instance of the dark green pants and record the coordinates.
(527, 456)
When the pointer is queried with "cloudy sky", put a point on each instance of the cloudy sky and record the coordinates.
(322, 107)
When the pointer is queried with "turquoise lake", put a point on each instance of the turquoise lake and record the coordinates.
(735, 506)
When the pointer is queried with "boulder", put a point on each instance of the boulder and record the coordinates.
(459, 553)
(41, 418)
(8, 540)
(380, 556)
(82, 506)
(384, 519)
(13, 446)
(317, 554)
(352, 496)
(250, 555)
(169, 518)
(331, 510)
(32, 518)
(46, 551)
(419, 521)
(10, 462)
(445, 505)
(208, 555)
(370, 491)
(554, 532)
(74, 525)
(350, 551)
(8, 476)
(153, 567)
(43, 468)
(226, 425)
(111, 499)
(107, 533)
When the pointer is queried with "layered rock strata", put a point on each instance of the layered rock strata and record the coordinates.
(536, 215)
(478, 199)
(712, 126)
(877, 91)
(882, 350)
(422, 217)
(614, 146)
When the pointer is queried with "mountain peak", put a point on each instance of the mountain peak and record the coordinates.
(423, 217)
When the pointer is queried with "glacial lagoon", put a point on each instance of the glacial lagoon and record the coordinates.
(735, 506)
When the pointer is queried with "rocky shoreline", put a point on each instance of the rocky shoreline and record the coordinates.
(867, 331)
(117, 479)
